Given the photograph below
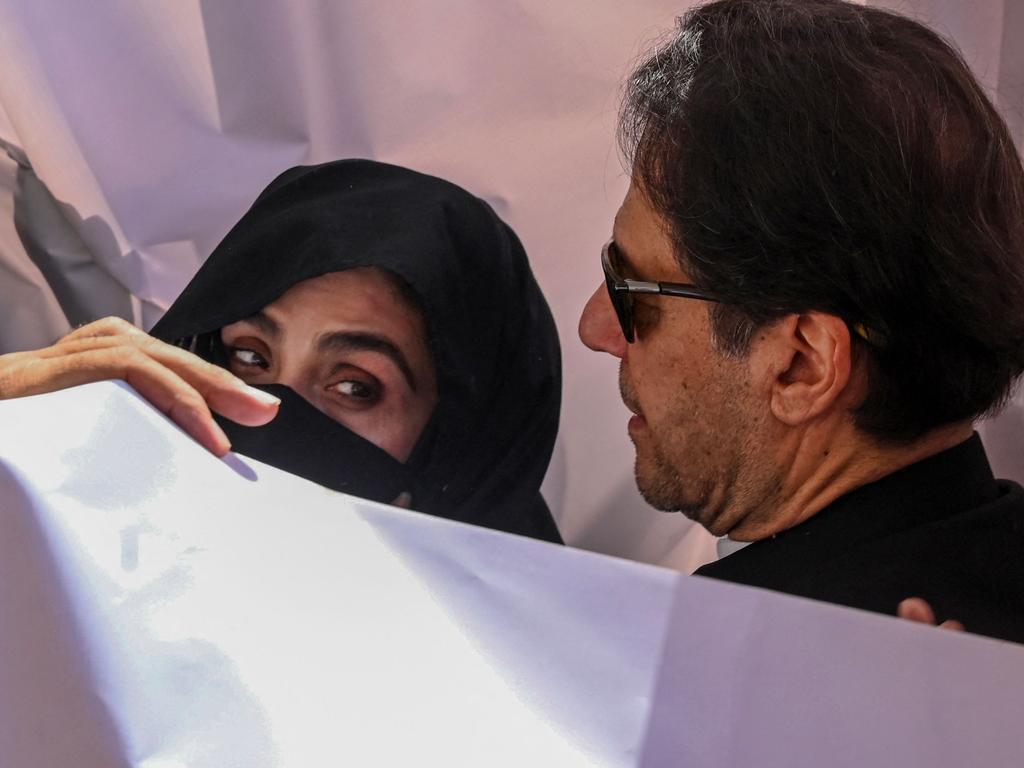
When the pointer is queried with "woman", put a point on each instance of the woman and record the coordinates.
(393, 315)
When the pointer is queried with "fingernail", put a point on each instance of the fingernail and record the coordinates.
(264, 397)
(223, 444)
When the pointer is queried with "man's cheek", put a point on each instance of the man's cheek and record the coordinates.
(646, 318)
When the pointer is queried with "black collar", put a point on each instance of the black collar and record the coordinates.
(932, 489)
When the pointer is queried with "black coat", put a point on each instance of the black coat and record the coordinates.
(942, 529)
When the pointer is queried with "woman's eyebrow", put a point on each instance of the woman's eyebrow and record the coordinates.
(362, 341)
(264, 323)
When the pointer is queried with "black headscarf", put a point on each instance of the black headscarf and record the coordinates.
(485, 451)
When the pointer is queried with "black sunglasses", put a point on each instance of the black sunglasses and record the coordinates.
(621, 289)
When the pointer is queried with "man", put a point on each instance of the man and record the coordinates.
(837, 207)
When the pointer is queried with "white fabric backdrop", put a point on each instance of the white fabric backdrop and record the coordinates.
(136, 133)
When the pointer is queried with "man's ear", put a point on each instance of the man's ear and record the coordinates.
(811, 360)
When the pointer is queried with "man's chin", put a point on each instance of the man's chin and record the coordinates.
(663, 490)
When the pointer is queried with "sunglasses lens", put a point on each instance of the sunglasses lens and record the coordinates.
(622, 301)
(623, 304)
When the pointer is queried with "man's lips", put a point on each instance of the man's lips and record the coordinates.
(635, 424)
(628, 396)
(637, 420)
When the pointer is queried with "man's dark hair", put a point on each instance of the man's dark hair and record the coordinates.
(819, 155)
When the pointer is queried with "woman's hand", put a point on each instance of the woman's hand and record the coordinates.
(177, 382)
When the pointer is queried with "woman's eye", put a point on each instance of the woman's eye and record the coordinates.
(358, 390)
(248, 357)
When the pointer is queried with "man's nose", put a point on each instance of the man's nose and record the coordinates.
(599, 326)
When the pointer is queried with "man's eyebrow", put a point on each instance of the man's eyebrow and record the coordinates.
(623, 254)
(628, 268)
(362, 341)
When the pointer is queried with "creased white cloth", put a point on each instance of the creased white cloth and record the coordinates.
(160, 607)
(152, 125)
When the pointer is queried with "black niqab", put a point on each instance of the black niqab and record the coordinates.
(486, 449)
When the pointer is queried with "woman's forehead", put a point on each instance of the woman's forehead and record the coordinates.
(346, 292)
(366, 297)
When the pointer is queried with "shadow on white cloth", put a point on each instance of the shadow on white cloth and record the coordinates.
(160, 607)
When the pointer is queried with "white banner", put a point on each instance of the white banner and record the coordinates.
(160, 607)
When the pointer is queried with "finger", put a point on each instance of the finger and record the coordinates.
(107, 326)
(223, 391)
(403, 500)
(916, 609)
(954, 625)
(156, 383)
(66, 347)
(179, 401)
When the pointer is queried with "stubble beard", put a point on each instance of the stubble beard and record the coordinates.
(660, 482)
(706, 472)
(667, 489)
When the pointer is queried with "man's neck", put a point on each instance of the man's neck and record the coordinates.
(820, 471)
